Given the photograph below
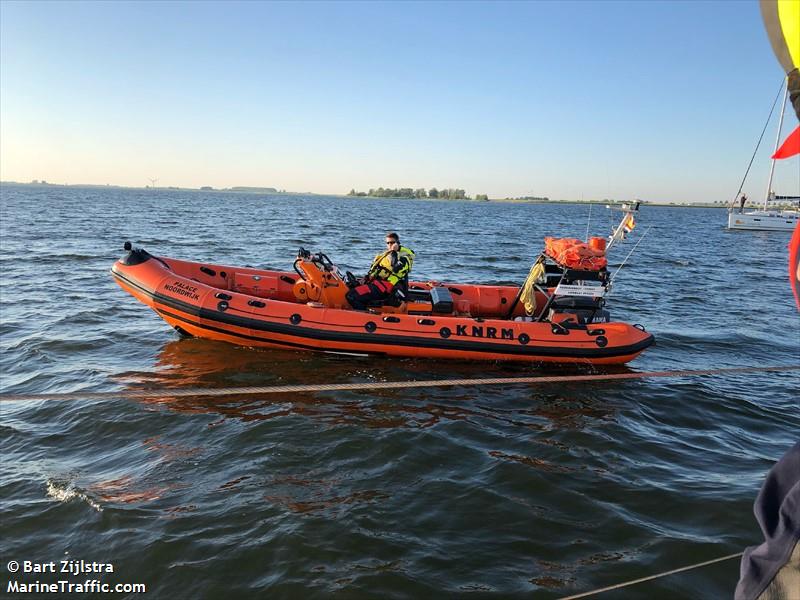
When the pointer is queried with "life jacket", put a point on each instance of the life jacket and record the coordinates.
(393, 271)
(575, 254)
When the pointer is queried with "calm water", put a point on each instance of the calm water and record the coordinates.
(522, 491)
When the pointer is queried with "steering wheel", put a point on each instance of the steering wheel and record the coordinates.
(350, 279)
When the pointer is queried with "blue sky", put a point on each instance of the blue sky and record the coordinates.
(657, 100)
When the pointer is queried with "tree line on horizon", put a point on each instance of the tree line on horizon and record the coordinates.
(444, 194)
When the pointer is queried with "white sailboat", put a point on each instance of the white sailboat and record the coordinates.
(768, 219)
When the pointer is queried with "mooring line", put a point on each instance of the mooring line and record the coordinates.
(382, 385)
(651, 577)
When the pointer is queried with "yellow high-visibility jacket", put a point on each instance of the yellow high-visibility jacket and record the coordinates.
(392, 266)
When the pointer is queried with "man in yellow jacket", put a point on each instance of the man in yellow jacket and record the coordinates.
(388, 270)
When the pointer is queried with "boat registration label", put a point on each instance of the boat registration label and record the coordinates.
(587, 291)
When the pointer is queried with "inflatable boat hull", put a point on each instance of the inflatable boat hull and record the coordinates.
(256, 308)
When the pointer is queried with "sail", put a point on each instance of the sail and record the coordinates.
(790, 146)
(782, 21)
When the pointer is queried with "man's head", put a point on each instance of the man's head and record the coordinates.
(392, 241)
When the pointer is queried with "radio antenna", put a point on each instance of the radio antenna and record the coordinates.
(589, 220)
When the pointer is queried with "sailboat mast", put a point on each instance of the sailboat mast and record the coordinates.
(777, 144)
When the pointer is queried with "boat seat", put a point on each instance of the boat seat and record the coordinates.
(418, 295)
(396, 299)
(436, 300)
(439, 298)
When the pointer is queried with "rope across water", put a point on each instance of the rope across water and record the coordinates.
(544, 379)
(651, 577)
(382, 385)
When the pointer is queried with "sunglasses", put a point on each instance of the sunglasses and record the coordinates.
(391, 242)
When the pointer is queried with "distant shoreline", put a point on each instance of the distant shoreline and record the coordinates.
(274, 192)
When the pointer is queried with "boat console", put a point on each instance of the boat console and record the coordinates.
(322, 282)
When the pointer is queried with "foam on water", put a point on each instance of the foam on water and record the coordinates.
(66, 492)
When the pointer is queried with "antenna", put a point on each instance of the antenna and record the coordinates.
(589, 220)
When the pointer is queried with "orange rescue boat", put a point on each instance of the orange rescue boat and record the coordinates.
(556, 316)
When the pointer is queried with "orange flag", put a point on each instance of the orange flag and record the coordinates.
(629, 224)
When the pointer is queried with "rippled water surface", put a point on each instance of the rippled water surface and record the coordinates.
(516, 491)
